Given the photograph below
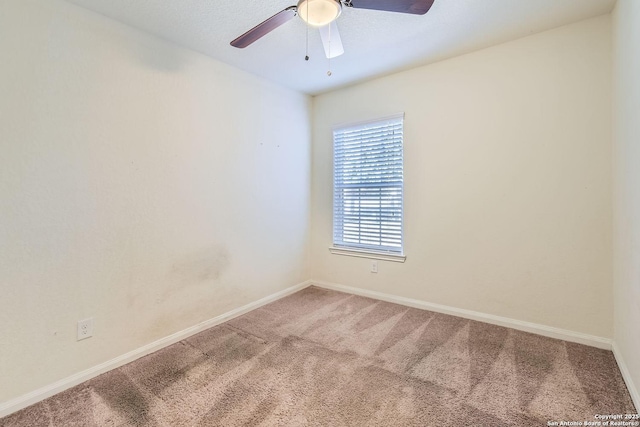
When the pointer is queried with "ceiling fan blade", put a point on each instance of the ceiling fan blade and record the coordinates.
(265, 27)
(416, 7)
(331, 40)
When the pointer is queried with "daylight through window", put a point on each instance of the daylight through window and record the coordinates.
(368, 186)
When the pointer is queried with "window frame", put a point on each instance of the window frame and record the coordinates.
(345, 249)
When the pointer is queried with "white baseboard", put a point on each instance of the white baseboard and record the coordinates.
(42, 393)
(633, 391)
(547, 331)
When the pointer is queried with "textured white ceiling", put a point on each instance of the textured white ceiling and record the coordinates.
(375, 43)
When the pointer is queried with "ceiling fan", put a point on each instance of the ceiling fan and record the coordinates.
(323, 14)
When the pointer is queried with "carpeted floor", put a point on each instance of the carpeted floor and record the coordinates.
(325, 358)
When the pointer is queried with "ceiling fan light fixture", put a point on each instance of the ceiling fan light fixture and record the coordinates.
(319, 13)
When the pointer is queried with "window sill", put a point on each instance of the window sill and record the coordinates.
(367, 254)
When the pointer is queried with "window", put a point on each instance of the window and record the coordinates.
(368, 189)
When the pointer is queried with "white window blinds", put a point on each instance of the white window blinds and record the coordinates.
(368, 185)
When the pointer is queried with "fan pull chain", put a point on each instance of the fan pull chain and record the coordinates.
(306, 55)
(329, 56)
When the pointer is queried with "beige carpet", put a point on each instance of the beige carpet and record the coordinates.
(324, 358)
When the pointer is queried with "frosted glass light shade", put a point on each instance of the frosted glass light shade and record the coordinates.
(319, 13)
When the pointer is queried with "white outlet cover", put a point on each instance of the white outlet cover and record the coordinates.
(85, 328)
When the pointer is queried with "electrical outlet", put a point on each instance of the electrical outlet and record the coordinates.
(85, 328)
(374, 266)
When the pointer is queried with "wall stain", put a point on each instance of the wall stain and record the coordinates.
(192, 285)
(199, 267)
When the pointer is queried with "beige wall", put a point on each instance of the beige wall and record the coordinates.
(140, 183)
(626, 160)
(507, 180)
